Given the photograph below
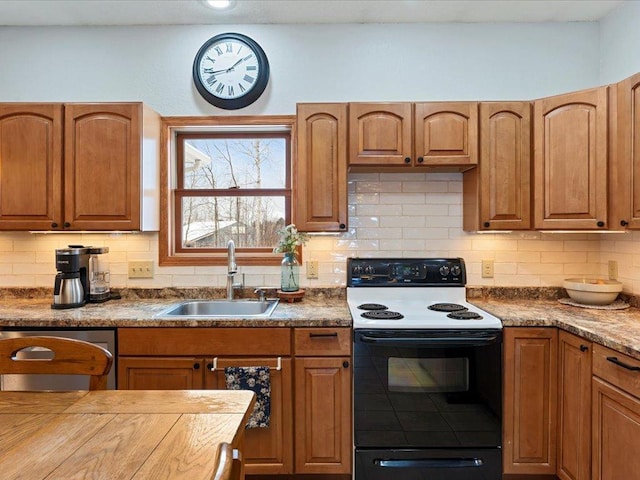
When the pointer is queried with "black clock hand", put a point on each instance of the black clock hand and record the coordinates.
(235, 65)
(213, 72)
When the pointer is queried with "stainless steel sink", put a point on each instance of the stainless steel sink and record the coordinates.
(220, 308)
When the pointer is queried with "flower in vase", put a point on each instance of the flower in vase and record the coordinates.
(290, 239)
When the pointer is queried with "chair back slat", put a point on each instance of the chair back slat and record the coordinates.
(70, 357)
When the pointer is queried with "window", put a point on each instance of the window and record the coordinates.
(226, 181)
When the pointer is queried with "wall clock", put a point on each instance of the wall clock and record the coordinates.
(231, 71)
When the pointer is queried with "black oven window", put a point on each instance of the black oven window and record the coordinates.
(428, 375)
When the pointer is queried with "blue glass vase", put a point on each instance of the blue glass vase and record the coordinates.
(289, 273)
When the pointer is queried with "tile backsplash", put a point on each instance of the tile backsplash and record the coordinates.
(394, 214)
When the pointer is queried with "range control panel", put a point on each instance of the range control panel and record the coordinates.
(417, 272)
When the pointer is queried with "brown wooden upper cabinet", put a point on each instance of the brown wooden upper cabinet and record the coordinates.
(320, 170)
(497, 194)
(625, 184)
(75, 166)
(398, 136)
(571, 160)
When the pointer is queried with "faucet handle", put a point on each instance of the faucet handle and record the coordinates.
(261, 294)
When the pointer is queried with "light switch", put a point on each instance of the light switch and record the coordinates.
(142, 269)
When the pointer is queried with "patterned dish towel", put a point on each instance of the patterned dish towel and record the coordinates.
(258, 380)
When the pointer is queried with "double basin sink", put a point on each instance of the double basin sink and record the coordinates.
(242, 308)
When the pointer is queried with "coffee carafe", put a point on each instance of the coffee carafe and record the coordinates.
(69, 291)
(99, 277)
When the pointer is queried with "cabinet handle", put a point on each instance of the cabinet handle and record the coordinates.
(622, 364)
(624, 223)
(583, 348)
(345, 364)
(600, 223)
(66, 225)
(210, 367)
(342, 226)
(322, 335)
(407, 159)
(420, 159)
(54, 225)
(196, 366)
(486, 224)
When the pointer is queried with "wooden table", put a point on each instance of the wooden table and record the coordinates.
(118, 434)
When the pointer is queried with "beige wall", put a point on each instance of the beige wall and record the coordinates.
(389, 215)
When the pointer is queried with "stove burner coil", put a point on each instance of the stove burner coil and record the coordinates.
(372, 306)
(382, 315)
(466, 315)
(447, 307)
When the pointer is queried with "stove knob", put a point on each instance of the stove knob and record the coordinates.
(456, 270)
(357, 271)
(369, 270)
(444, 270)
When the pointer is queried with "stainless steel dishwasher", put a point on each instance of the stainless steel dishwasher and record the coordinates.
(104, 337)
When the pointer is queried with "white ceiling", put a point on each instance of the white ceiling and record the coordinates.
(193, 12)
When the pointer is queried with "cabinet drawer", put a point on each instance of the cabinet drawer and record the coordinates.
(322, 341)
(204, 341)
(617, 369)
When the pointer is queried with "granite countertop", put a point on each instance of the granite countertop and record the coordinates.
(617, 329)
(320, 309)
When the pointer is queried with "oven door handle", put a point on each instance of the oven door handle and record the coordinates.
(429, 463)
(430, 341)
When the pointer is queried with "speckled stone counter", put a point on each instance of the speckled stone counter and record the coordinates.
(617, 329)
(324, 308)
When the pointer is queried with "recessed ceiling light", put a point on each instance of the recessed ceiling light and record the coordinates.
(220, 4)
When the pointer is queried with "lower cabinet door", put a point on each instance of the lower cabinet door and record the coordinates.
(574, 407)
(530, 395)
(616, 433)
(160, 373)
(267, 450)
(323, 415)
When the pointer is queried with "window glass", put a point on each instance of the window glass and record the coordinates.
(222, 163)
(251, 222)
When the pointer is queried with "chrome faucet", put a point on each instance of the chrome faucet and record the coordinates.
(232, 269)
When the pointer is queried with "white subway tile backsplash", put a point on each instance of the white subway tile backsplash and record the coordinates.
(390, 214)
(402, 198)
(377, 210)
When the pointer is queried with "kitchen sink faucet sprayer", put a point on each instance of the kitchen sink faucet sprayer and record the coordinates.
(232, 269)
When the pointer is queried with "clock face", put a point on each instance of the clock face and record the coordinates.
(231, 71)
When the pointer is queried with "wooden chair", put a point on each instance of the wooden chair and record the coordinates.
(71, 357)
(227, 467)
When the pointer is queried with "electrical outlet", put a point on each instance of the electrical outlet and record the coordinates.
(487, 268)
(312, 269)
(141, 269)
(613, 270)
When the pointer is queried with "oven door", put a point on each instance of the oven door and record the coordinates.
(427, 399)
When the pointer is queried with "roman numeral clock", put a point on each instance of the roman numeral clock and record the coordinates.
(231, 71)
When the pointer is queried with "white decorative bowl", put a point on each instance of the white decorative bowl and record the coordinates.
(592, 291)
